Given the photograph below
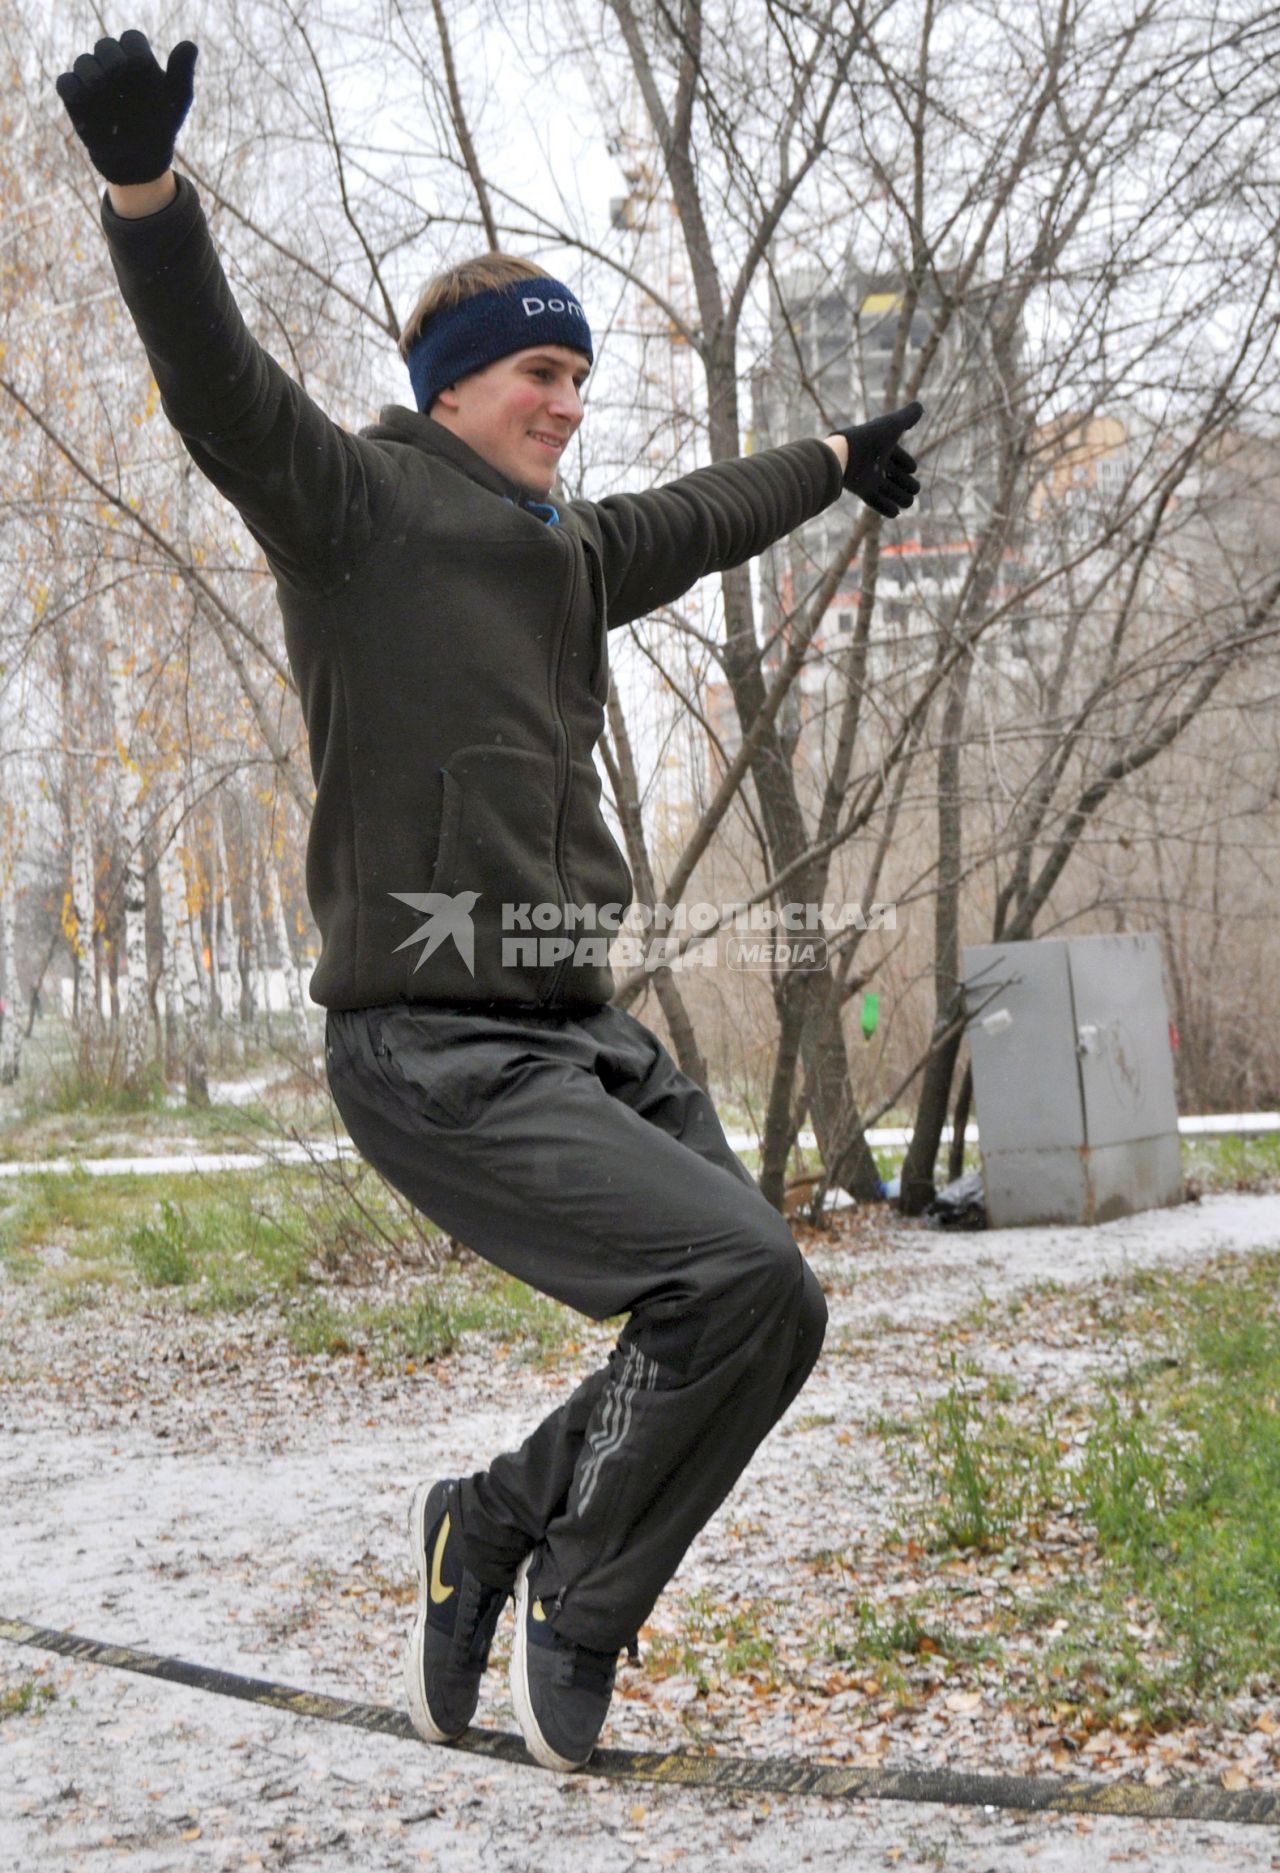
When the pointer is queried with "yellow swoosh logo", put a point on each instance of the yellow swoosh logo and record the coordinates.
(436, 1587)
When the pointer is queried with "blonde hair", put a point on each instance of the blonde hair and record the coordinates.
(469, 277)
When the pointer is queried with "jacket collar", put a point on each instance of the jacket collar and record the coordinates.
(396, 424)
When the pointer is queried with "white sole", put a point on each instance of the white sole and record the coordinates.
(415, 1690)
(534, 1741)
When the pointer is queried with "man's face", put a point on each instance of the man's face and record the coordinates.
(519, 412)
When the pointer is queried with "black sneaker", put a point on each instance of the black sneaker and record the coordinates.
(448, 1648)
(561, 1691)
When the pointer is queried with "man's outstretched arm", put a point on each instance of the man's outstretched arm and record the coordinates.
(656, 545)
(297, 480)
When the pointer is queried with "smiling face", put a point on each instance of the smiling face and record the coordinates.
(520, 412)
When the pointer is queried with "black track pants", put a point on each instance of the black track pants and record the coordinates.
(571, 1151)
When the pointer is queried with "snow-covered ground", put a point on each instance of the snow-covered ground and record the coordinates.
(194, 1489)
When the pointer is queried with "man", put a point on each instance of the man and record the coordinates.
(445, 618)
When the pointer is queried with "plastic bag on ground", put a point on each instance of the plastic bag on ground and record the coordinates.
(960, 1205)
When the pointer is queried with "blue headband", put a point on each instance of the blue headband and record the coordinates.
(492, 325)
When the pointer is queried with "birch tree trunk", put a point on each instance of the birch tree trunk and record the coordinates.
(78, 898)
(230, 1002)
(215, 966)
(292, 976)
(181, 979)
(241, 931)
(15, 1014)
(258, 946)
(200, 983)
(77, 921)
(131, 788)
(244, 960)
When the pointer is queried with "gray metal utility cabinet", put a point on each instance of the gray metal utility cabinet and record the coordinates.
(1073, 1077)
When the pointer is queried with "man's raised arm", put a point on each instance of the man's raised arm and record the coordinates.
(298, 481)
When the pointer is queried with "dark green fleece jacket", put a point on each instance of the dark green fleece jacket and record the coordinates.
(449, 647)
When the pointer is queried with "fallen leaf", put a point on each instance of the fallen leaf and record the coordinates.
(1234, 1778)
(962, 1701)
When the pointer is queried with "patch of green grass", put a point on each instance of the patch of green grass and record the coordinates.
(47, 1204)
(83, 1288)
(1175, 1605)
(750, 1652)
(505, 1309)
(220, 1242)
(1105, 1668)
(990, 1477)
(900, 1634)
(68, 1210)
(1234, 1161)
(276, 1238)
(16, 1257)
(230, 1252)
(416, 1331)
(432, 1323)
(163, 1252)
(717, 1641)
(27, 1698)
(68, 1089)
(1182, 1477)
(321, 1329)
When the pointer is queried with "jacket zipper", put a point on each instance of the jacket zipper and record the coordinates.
(562, 795)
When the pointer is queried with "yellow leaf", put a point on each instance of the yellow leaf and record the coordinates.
(1234, 1778)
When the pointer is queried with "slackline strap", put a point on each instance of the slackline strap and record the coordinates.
(675, 1769)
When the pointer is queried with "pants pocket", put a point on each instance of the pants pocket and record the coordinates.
(449, 1078)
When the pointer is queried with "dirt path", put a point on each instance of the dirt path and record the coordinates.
(190, 1487)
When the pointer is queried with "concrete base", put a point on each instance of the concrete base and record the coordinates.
(1081, 1185)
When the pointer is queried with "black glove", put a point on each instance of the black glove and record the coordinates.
(880, 472)
(126, 111)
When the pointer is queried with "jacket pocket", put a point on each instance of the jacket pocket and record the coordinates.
(446, 845)
(498, 828)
